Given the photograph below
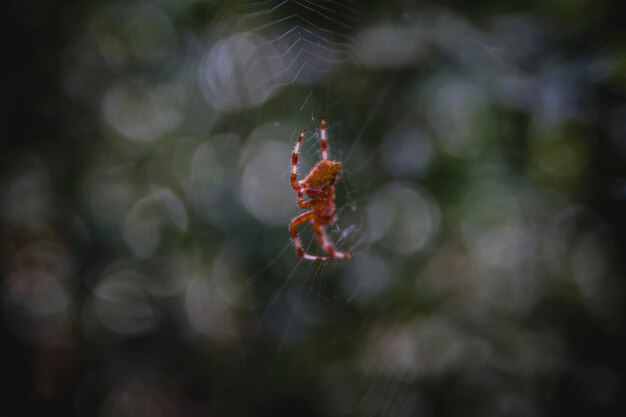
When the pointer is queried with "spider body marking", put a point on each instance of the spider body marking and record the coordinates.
(319, 186)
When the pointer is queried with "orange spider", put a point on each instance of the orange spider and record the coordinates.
(319, 186)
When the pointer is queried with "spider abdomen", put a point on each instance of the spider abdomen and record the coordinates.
(323, 174)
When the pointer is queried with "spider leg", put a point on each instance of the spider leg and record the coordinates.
(302, 203)
(323, 138)
(304, 217)
(325, 243)
(311, 192)
(294, 162)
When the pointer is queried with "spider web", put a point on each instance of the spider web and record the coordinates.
(271, 45)
(302, 46)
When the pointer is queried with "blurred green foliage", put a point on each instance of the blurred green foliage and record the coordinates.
(145, 197)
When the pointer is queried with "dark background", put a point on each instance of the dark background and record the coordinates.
(567, 340)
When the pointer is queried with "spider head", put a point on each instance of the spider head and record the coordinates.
(323, 174)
